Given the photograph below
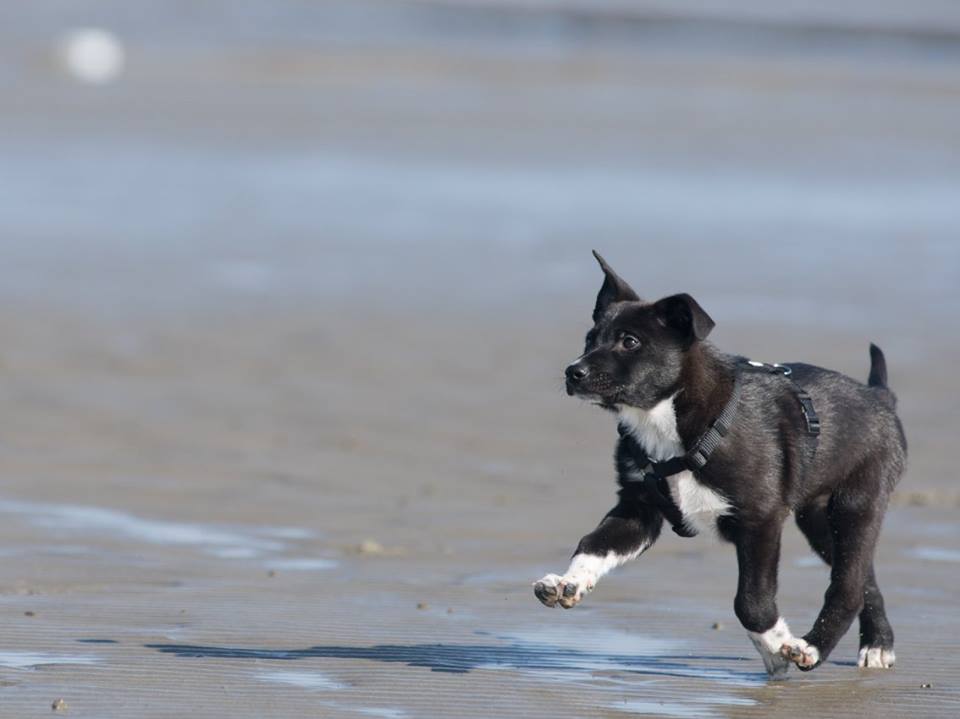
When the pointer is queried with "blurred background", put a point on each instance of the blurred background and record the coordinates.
(318, 266)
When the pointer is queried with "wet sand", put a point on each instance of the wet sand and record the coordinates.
(191, 519)
(284, 314)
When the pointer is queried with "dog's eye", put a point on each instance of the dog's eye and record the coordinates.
(629, 342)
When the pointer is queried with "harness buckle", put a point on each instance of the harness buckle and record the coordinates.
(774, 368)
(809, 413)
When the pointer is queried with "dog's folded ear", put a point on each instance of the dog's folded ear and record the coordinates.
(682, 314)
(614, 289)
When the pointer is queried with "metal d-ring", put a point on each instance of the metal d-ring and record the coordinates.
(774, 368)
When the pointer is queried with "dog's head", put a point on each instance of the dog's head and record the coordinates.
(635, 352)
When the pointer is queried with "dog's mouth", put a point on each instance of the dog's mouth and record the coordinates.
(599, 390)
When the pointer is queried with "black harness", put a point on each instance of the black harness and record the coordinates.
(653, 482)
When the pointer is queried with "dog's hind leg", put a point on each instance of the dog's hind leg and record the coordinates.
(876, 634)
(854, 519)
(627, 531)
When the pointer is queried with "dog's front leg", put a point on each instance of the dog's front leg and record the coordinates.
(625, 533)
(758, 557)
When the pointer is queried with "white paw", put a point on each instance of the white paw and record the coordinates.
(582, 576)
(775, 664)
(805, 656)
(876, 658)
(565, 591)
(768, 644)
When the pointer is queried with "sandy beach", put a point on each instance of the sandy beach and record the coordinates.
(285, 311)
(250, 517)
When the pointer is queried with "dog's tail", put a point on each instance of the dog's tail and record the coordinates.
(878, 368)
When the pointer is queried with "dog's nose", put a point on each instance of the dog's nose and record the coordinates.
(577, 372)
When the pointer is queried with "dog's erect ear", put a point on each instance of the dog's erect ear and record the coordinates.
(682, 314)
(614, 289)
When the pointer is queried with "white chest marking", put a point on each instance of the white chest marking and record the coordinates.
(700, 505)
(656, 431)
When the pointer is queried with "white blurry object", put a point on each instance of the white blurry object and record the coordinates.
(91, 55)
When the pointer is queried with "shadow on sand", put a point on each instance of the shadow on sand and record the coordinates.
(462, 658)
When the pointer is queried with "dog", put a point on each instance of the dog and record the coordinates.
(711, 441)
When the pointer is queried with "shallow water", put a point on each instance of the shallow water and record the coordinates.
(70, 520)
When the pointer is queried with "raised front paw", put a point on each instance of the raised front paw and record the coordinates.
(876, 658)
(805, 656)
(566, 591)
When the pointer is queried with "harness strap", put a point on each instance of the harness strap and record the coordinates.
(698, 455)
(810, 417)
(658, 492)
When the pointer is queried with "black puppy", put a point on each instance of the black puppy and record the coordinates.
(710, 440)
